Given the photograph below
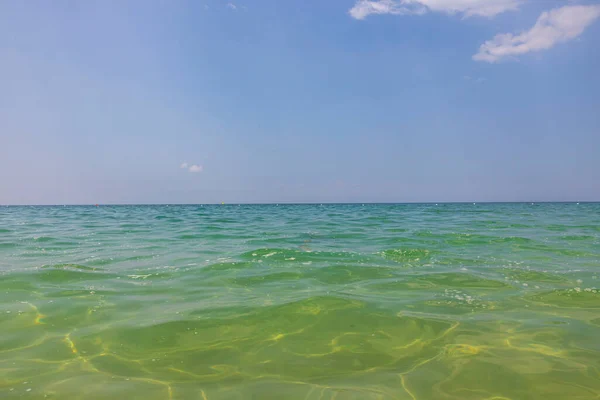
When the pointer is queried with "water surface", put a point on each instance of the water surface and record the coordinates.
(414, 302)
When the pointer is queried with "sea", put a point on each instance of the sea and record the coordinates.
(311, 302)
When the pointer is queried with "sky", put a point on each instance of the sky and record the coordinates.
(270, 101)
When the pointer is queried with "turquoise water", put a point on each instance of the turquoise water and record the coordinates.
(449, 301)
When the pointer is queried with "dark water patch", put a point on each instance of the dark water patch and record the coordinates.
(462, 239)
(461, 280)
(399, 285)
(266, 278)
(95, 262)
(348, 235)
(211, 228)
(451, 260)
(364, 338)
(534, 276)
(568, 298)
(230, 235)
(396, 230)
(271, 240)
(62, 244)
(154, 274)
(409, 241)
(224, 221)
(557, 228)
(304, 253)
(344, 274)
(52, 350)
(189, 236)
(576, 238)
(36, 225)
(115, 366)
(374, 218)
(131, 226)
(491, 224)
(70, 266)
(145, 247)
(13, 338)
(407, 255)
(70, 275)
(17, 282)
(516, 240)
(519, 226)
(427, 234)
(141, 257)
(37, 252)
(108, 233)
(558, 251)
(70, 310)
(228, 266)
(166, 218)
(459, 307)
(87, 293)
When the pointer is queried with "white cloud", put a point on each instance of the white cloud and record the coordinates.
(232, 6)
(195, 168)
(552, 27)
(468, 8)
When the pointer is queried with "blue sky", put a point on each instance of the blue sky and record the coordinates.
(299, 101)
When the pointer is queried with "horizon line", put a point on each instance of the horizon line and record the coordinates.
(305, 203)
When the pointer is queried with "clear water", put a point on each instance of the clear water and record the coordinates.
(449, 301)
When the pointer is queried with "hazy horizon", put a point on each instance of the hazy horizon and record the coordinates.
(304, 204)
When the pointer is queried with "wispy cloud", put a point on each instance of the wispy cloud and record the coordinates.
(232, 6)
(552, 27)
(468, 8)
(195, 168)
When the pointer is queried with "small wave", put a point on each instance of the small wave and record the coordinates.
(579, 237)
(462, 280)
(577, 297)
(43, 239)
(69, 266)
(407, 255)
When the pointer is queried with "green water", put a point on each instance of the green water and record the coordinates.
(449, 301)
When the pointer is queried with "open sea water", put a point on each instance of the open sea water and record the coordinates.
(410, 302)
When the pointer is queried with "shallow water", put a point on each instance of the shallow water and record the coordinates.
(449, 301)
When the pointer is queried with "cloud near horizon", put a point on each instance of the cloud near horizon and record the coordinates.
(468, 8)
(552, 27)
